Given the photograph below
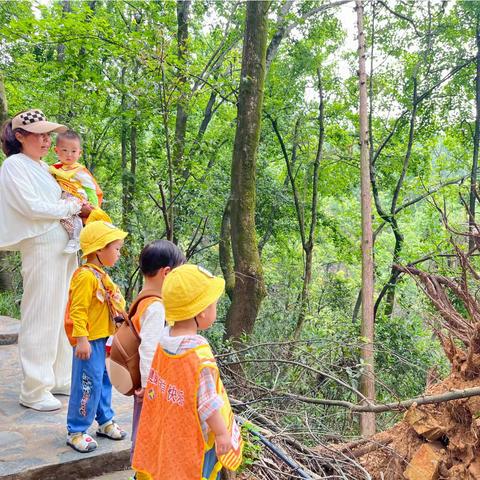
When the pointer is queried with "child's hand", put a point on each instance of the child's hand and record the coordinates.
(83, 349)
(139, 392)
(223, 444)
(223, 440)
(85, 210)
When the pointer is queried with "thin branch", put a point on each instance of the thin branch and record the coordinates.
(387, 407)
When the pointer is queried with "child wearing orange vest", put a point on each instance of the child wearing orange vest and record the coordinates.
(187, 430)
(156, 261)
(93, 303)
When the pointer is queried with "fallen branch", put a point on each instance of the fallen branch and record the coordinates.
(306, 367)
(387, 407)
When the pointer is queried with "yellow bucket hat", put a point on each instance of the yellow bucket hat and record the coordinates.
(96, 235)
(188, 290)
(98, 214)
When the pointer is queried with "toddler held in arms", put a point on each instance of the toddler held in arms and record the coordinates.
(75, 180)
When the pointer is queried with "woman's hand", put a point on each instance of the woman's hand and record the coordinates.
(83, 349)
(85, 210)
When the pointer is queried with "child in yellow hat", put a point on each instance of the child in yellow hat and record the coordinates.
(187, 429)
(94, 301)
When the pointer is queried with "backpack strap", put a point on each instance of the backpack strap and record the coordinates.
(148, 293)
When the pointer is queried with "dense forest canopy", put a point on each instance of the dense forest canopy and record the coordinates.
(153, 88)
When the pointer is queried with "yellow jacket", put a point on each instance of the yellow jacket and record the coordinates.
(88, 309)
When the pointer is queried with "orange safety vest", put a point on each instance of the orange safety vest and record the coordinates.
(170, 443)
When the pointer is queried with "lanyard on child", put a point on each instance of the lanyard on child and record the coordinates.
(117, 316)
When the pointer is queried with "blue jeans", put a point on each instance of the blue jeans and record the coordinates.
(209, 461)
(91, 390)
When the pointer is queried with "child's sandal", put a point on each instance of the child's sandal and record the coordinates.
(81, 442)
(111, 430)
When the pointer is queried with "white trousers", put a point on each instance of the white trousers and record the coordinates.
(45, 353)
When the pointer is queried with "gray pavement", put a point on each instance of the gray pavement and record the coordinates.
(9, 328)
(32, 444)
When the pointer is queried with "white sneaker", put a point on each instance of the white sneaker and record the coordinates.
(48, 404)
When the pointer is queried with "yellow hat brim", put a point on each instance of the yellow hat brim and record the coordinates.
(110, 237)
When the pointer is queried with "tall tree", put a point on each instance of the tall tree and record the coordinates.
(476, 136)
(183, 9)
(367, 382)
(249, 289)
(307, 232)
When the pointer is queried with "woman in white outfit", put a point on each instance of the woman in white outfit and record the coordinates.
(30, 210)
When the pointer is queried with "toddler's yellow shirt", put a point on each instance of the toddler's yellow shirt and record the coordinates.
(89, 315)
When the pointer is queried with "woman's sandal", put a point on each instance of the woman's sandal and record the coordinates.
(111, 430)
(81, 442)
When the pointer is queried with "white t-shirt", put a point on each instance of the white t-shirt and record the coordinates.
(152, 324)
(30, 203)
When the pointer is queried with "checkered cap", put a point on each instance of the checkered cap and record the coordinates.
(36, 122)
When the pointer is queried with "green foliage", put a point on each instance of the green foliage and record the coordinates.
(252, 449)
(9, 304)
(111, 71)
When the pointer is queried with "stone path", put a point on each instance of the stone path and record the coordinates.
(9, 328)
(32, 444)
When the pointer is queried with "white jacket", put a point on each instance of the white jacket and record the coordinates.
(30, 203)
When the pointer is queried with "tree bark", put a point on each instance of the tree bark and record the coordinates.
(367, 381)
(249, 289)
(225, 252)
(124, 149)
(183, 9)
(167, 201)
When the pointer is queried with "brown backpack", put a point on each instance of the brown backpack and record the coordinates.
(123, 363)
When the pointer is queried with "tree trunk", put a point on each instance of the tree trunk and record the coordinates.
(183, 8)
(476, 140)
(225, 252)
(66, 8)
(367, 382)
(124, 151)
(309, 244)
(64, 113)
(3, 101)
(132, 174)
(249, 289)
